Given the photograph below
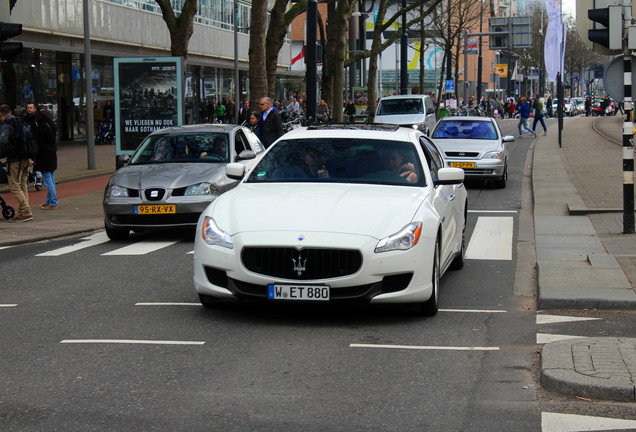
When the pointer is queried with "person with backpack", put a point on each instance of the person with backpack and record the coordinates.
(538, 115)
(16, 146)
(46, 160)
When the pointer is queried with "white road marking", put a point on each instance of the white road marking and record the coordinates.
(167, 304)
(129, 341)
(4, 247)
(491, 239)
(552, 319)
(555, 422)
(89, 241)
(493, 211)
(8, 305)
(429, 348)
(474, 310)
(141, 248)
(544, 338)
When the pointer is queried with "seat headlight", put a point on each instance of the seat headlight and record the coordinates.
(200, 189)
(493, 155)
(404, 239)
(213, 235)
(116, 191)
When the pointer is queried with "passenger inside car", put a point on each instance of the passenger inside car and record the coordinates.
(163, 150)
(395, 162)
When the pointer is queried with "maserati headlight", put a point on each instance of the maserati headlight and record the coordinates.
(213, 235)
(404, 239)
(493, 155)
(200, 189)
(116, 191)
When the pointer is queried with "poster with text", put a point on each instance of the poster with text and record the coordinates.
(148, 97)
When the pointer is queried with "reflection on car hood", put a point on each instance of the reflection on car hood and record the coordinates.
(371, 210)
(400, 119)
(169, 175)
(467, 145)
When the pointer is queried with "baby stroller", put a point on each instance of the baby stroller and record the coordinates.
(104, 133)
(7, 211)
(36, 178)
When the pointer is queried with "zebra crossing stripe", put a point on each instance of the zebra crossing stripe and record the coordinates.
(92, 240)
(142, 247)
(491, 239)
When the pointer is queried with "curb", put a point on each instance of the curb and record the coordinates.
(598, 368)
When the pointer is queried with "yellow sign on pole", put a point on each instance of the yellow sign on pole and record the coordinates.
(502, 70)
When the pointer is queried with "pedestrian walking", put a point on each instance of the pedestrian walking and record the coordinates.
(244, 113)
(46, 161)
(220, 112)
(524, 114)
(230, 109)
(270, 124)
(18, 163)
(511, 108)
(538, 115)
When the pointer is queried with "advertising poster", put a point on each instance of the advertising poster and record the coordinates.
(360, 99)
(148, 97)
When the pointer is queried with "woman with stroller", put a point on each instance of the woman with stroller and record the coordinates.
(46, 161)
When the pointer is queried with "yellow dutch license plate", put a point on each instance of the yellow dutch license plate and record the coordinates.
(462, 164)
(155, 209)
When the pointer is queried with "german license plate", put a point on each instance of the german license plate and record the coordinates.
(298, 292)
(155, 209)
(462, 164)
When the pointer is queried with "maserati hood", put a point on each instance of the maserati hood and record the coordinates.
(371, 210)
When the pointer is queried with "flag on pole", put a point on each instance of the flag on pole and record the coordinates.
(553, 47)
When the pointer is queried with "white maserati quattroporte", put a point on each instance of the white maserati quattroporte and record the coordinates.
(335, 213)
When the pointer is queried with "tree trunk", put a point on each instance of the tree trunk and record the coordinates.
(258, 70)
(180, 28)
(274, 42)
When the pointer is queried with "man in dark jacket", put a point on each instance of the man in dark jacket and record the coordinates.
(271, 123)
(17, 165)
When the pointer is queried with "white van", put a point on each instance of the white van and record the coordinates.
(407, 110)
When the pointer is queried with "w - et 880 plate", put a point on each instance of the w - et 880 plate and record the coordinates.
(298, 292)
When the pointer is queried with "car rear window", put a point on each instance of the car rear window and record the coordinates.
(400, 106)
(340, 160)
(453, 129)
(195, 147)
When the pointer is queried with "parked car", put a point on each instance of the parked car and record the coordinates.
(355, 212)
(174, 175)
(476, 145)
(415, 111)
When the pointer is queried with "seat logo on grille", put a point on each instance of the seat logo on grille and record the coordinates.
(462, 154)
(300, 265)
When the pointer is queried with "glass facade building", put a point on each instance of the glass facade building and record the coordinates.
(50, 70)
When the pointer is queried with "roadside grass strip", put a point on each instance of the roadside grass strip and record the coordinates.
(130, 341)
(423, 348)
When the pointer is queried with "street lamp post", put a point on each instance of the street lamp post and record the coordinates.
(404, 73)
(237, 85)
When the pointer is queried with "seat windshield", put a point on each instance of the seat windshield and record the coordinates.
(400, 106)
(341, 160)
(194, 147)
(453, 129)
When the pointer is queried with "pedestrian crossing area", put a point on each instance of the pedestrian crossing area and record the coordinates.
(491, 239)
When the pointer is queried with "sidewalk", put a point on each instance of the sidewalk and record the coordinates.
(79, 191)
(584, 261)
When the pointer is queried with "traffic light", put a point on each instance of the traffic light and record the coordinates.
(9, 49)
(609, 27)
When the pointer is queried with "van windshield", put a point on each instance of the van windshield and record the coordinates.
(400, 106)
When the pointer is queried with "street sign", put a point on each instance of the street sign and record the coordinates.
(614, 78)
(502, 70)
(450, 86)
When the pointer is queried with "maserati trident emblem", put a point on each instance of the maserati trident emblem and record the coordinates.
(299, 266)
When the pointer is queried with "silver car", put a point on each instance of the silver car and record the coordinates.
(476, 145)
(174, 175)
